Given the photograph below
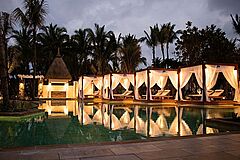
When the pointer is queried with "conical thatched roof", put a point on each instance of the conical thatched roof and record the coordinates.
(58, 69)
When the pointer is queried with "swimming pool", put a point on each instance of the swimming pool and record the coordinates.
(70, 122)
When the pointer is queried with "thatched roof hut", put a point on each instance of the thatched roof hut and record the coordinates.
(58, 69)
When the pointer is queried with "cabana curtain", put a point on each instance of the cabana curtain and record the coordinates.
(88, 84)
(106, 85)
(231, 76)
(160, 78)
(211, 75)
(211, 78)
(123, 79)
(173, 76)
(141, 77)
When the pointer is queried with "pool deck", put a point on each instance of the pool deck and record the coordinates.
(220, 147)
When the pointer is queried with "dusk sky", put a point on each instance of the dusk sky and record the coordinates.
(135, 16)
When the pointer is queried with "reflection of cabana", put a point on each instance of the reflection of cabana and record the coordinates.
(184, 128)
(207, 79)
(148, 127)
(153, 77)
(87, 86)
(111, 81)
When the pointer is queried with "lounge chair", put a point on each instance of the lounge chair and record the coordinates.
(216, 94)
(126, 94)
(162, 95)
(94, 95)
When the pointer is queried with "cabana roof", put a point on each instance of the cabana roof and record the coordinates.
(58, 69)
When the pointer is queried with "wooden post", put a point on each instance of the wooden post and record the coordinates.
(110, 87)
(110, 115)
(148, 120)
(203, 112)
(178, 122)
(178, 87)
(135, 118)
(148, 85)
(135, 87)
(81, 105)
(236, 67)
(102, 88)
(204, 83)
(82, 89)
(102, 113)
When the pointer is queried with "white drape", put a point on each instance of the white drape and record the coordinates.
(97, 81)
(231, 76)
(141, 77)
(106, 85)
(185, 75)
(173, 76)
(211, 75)
(158, 77)
(124, 79)
(88, 84)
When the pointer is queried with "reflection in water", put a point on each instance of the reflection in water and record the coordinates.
(125, 119)
(148, 121)
(90, 123)
(184, 128)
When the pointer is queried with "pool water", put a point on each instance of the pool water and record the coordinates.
(76, 123)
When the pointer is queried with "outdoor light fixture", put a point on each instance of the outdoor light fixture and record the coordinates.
(49, 86)
(65, 86)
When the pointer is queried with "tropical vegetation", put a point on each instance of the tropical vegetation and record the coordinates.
(98, 51)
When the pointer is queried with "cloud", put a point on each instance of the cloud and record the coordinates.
(225, 7)
(135, 16)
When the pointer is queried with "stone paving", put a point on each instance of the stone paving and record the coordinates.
(220, 147)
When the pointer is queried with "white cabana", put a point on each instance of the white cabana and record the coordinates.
(157, 77)
(211, 75)
(185, 75)
(124, 79)
(87, 83)
(141, 78)
(160, 76)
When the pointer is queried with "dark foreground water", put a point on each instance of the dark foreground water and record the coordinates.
(70, 122)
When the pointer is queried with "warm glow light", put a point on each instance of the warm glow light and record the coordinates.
(49, 111)
(65, 110)
(235, 72)
(21, 89)
(49, 87)
(21, 86)
(65, 86)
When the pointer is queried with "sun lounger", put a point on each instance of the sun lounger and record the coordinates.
(94, 95)
(216, 94)
(126, 94)
(162, 95)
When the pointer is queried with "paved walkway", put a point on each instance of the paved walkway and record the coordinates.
(222, 147)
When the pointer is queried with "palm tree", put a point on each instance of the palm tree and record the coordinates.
(130, 54)
(5, 29)
(80, 51)
(104, 47)
(33, 18)
(23, 45)
(236, 23)
(52, 37)
(161, 38)
(151, 41)
(170, 35)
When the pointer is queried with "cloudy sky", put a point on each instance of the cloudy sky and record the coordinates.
(135, 16)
